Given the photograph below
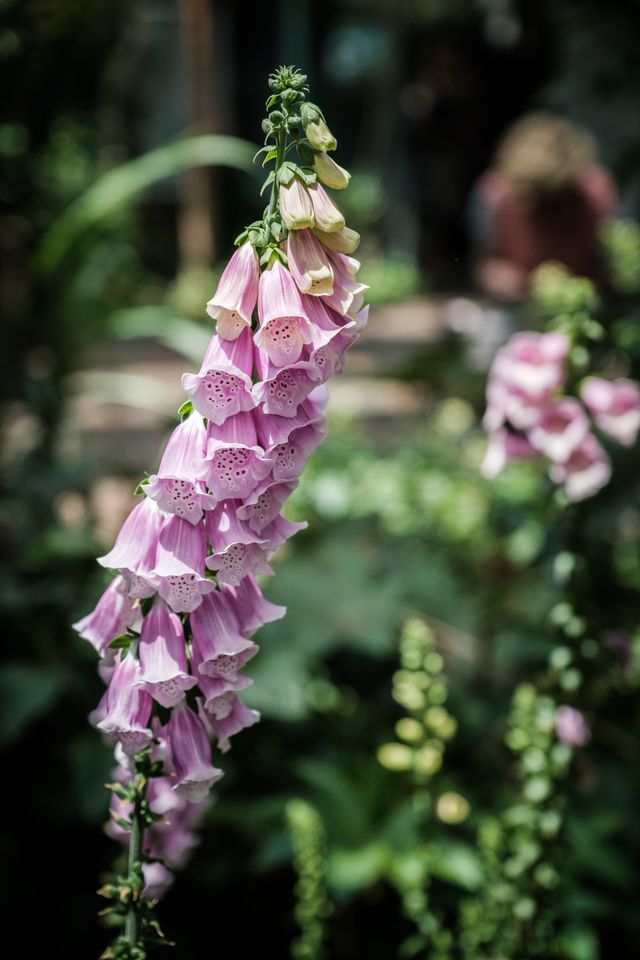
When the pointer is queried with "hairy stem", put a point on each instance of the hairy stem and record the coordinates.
(132, 925)
(280, 148)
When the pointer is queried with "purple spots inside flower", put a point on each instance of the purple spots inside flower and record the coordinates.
(220, 707)
(233, 563)
(139, 587)
(133, 741)
(283, 340)
(168, 692)
(220, 390)
(181, 592)
(289, 461)
(223, 665)
(231, 474)
(286, 391)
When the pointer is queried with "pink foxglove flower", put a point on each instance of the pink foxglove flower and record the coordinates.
(504, 446)
(584, 472)
(571, 727)
(220, 648)
(237, 549)
(114, 614)
(235, 298)
(190, 753)
(163, 660)
(326, 215)
(296, 208)
(222, 388)
(234, 463)
(309, 263)
(179, 571)
(284, 328)
(226, 716)
(560, 428)
(615, 405)
(175, 487)
(134, 551)
(128, 708)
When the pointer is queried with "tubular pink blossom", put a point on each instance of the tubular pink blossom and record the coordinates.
(252, 607)
(178, 574)
(284, 328)
(127, 707)
(215, 689)
(133, 553)
(295, 206)
(571, 726)
(235, 298)
(163, 660)
(502, 447)
(281, 390)
(234, 463)
(219, 649)
(237, 550)
(326, 215)
(223, 386)
(227, 716)
(265, 503)
(615, 405)
(584, 472)
(175, 487)
(113, 615)
(330, 172)
(560, 428)
(532, 363)
(309, 263)
(191, 755)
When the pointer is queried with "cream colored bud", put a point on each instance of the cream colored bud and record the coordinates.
(452, 808)
(395, 756)
(340, 241)
(330, 172)
(319, 135)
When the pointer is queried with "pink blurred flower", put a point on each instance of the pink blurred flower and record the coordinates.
(560, 428)
(571, 727)
(584, 472)
(615, 405)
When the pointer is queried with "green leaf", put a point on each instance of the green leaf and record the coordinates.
(184, 410)
(267, 182)
(352, 870)
(127, 182)
(271, 155)
(456, 863)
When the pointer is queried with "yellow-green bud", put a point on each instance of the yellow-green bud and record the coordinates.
(452, 808)
(395, 756)
(427, 760)
(319, 135)
(340, 241)
(330, 172)
(410, 730)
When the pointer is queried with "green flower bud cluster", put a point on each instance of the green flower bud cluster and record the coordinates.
(293, 126)
(513, 915)
(310, 861)
(420, 688)
(568, 305)
(130, 910)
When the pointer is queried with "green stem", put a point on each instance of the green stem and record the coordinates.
(132, 927)
(280, 148)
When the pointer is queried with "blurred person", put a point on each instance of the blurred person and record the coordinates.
(542, 199)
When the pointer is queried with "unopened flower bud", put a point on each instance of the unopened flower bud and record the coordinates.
(319, 136)
(330, 172)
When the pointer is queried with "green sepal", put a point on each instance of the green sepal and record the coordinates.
(273, 99)
(271, 155)
(139, 489)
(185, 409)
(277, 230)
(240, 239)
(287, 172)
(307, 175)
(264, 149)
(122, 642)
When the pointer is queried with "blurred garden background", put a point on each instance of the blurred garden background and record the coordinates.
(126, 141)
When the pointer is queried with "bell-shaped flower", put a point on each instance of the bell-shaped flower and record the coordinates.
(290, 441)
(348, 292)
(215, 689)
(340, 241)
(329, 172)
(284, 328)
(175, 487)
(309, 263)
(114, 613)
(532, 363)
(281, 390)
(252, 608)
(615, 405)
(163, 659)
(223, 386)
(265, 503)
(134, 551)
(560, 428)
(157, 880)
(235, 298)
(326, 215)
(128, 708)
(178, 574)
(226, 717)
(218, 648)
(237, 549)
(234, 464)
(279, 531)
(295, 205)
(584, 472)
(191, 755)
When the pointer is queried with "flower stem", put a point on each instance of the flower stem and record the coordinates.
(280, 151)
(132, 925)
